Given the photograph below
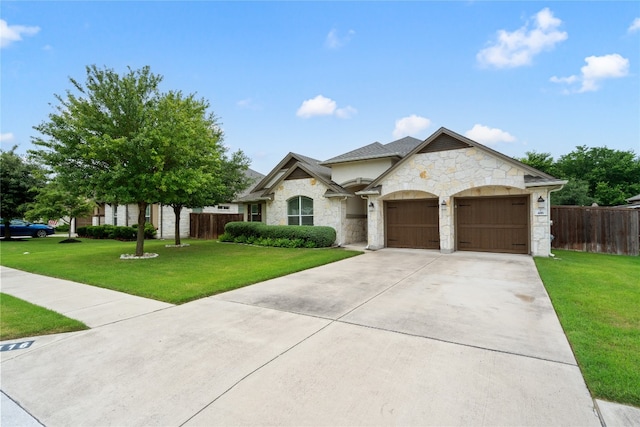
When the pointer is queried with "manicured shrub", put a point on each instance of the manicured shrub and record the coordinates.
(149, 230)
(62, 228)
(225, 237)
(288, 236)
(108, 231)
(243, 228)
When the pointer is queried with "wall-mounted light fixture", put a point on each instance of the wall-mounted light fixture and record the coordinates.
(371, 205)
(444, 203)
(541, 202)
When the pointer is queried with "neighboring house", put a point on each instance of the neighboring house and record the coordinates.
(446, 192)
(162, 216)
(632, 202)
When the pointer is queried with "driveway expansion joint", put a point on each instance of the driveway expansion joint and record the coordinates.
(268, 362)
(511, 353)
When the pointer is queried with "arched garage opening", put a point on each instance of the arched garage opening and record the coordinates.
(412, 222)
(498, 223)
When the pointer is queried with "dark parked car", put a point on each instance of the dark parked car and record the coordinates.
(19, 227)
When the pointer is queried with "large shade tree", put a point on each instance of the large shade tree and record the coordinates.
(19, 181)
(98, 141)
(196, 170)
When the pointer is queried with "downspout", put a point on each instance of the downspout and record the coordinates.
(366, 248)
(550, 221)
(161, 223)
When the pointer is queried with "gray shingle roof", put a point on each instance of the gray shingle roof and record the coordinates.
(376, 150)
(403, 146)
(254, 177)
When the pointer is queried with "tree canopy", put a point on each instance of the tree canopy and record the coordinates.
(19, 181)
(119, 140)
(598, 174)
(196, 171)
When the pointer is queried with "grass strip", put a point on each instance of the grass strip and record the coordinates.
(177, 275)
(19, 318)
(597, 299)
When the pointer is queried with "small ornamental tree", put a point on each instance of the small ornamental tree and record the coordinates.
(97, 139)
(19, 181)
(55, 201)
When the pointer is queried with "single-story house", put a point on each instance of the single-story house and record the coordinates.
(162, 216)
(447, 192)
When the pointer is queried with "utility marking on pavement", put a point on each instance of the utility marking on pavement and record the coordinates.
(16, 346)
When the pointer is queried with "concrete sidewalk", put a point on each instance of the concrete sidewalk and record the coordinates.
(394, 337)
(92, 305)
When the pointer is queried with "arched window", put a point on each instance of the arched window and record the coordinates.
(300, 211)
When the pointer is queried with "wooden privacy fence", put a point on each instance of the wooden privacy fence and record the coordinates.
(210, 225)
(596, 229)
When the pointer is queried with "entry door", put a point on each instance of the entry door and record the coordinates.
(412, 224)
(493, 224)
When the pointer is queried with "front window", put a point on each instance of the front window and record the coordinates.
(147, 214)
(115, 214)
(300, 211)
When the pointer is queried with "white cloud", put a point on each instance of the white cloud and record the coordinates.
(346, 112)
(14, 33)
(635, 26)
(410, 125)
(335, 41)
(488, 136)
(517, 48)
(249, 104)
(322, 106)
(598, 68)
(6, 137)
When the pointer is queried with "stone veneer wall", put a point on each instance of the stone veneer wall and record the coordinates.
(326, 211)
(456, 173)
(355, 230)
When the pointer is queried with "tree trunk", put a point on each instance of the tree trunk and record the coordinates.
(7, 230)
(142, 207)
(176, 211)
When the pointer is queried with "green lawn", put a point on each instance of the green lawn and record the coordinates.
(597, 298)
(19, 318)
(178, 275)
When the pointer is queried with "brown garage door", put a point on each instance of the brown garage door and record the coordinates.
(493, 224)
(412, 224)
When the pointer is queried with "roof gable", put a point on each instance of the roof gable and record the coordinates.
(444, 139)
(293, 166)
(443, 142)
(289, 161)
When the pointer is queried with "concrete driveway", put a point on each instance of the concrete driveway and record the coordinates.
(394, 337)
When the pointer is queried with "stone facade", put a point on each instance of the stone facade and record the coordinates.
(444, 167)
(326, 211)
(445, 175)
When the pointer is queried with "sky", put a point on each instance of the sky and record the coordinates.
(324, 78)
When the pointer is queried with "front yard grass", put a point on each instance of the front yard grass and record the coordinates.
(177, 275)
(597, 299)
(19, 318)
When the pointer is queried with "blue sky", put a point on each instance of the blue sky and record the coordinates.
(323, 78)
